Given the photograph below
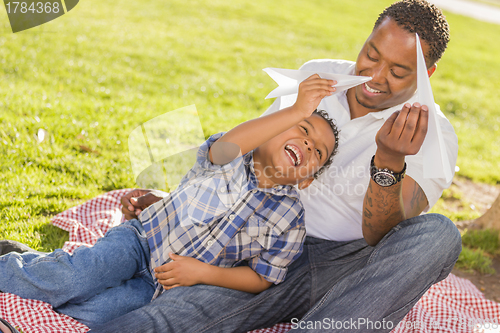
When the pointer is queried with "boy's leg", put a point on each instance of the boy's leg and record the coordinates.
(58, 278)
(203, 308)
(349, 280)
(113, 302)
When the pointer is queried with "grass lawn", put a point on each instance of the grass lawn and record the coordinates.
(84, 81)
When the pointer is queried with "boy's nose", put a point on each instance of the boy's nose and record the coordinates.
(308, 144)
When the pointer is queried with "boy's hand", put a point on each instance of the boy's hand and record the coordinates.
(182, 271)
(311, 91)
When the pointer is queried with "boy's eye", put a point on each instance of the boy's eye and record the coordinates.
(319, 153)
(305, 129)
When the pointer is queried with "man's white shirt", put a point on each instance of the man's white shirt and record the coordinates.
(334, 202)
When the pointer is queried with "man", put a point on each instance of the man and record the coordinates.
(369, 255)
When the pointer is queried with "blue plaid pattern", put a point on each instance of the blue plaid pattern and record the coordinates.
(218, 215)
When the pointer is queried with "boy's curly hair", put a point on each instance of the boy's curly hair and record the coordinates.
(419, 16)
(323, 114)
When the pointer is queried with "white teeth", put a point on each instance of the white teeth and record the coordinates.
(296, 153)
(371, 90)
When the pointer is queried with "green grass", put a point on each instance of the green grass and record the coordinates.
(486, 240)
(474, 260)
(92, 76)
(478, 248)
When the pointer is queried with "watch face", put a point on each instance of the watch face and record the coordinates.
(384, 178)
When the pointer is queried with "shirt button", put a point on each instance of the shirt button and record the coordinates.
(232, 216)
(209, 243)
(254, 191)
(222, 190)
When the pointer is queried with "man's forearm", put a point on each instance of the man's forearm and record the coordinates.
(382, 209)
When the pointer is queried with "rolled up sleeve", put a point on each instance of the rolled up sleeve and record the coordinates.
(273, 264)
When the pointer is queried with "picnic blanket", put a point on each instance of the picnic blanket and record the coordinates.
(453, 305)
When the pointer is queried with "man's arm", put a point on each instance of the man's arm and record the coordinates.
(138, 199)
(187, 271)
(253, 133)
(384, 207)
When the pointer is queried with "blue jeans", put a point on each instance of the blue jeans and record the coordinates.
(94, 284)
(347, 282)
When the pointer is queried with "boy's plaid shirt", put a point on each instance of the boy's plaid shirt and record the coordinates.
(219, 216)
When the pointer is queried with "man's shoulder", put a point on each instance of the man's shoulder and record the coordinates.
(330, 66)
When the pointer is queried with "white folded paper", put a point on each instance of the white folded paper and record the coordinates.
(436, 162)
(289, 80)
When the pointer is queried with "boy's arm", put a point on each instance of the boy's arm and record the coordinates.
(253, 133)
(187, 271)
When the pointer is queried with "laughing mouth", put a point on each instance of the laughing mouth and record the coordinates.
(373, 91)
(294, 154)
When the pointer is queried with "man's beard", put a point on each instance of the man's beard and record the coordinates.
(362, 104)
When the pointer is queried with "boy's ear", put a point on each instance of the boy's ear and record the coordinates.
(431, 70)
(305, 183)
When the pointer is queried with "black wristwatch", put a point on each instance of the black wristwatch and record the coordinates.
(385, 177)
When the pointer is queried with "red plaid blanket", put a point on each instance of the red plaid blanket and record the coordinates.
(453, 305)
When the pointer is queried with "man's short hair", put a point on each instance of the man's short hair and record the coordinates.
(419, 16)
(324, 115)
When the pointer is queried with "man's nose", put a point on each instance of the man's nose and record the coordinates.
(379, 73)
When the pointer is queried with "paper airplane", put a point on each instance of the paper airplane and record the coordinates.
(436, 162)
(289, 80)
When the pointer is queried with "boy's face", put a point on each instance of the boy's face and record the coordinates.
(296, 154)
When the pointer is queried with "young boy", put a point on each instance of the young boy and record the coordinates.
(235, 221)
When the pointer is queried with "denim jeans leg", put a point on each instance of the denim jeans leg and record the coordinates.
(412, 257)
(112, 302)
(203, 308)
(59, 278)
(349, 280)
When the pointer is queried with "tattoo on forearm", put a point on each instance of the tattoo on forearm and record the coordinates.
(366, 216)
(386, 203)
(418, 199)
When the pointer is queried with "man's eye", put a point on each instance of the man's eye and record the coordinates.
(395, 75)
(372, 59)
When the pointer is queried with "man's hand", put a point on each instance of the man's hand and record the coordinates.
(136, 200)
(402, 134)
(311, 91)
(182, 271)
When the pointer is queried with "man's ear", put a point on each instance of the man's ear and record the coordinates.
(431, 70)
(305, 183)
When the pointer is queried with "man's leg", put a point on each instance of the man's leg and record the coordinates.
(412, 257)
(203, 308)
(58, 278)
(349, 280)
